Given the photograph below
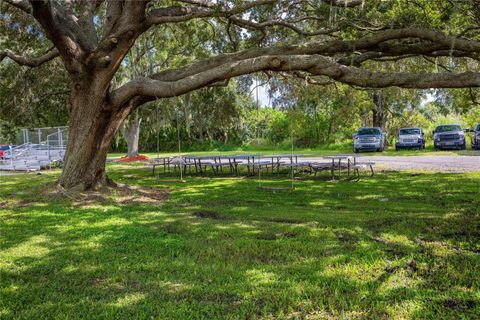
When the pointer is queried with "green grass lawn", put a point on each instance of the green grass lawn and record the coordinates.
(397, 245)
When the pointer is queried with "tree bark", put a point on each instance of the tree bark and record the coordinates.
(131, 133)
(379, 112)
(93, 124)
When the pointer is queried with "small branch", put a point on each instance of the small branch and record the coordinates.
(28, 61)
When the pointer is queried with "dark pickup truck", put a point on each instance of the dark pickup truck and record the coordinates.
(449, 136)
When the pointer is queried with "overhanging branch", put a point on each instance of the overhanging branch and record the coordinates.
(376, 44)
(313, 64)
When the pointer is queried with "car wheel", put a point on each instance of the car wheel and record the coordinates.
(355, 150)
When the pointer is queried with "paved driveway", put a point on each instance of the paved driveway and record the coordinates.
(451, 163)
(430, 163)
(436, 163)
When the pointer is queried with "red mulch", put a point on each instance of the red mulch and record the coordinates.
(137, 158)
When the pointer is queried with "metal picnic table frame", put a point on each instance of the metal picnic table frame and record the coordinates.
(233, 160)
(162, 161)
(254, 161)
(351, 161)
(278, 157)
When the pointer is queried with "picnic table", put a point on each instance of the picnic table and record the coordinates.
(242, 159)
(160, 161)
(276, 159)
(254, 162)
(337, 162)
(220, 161)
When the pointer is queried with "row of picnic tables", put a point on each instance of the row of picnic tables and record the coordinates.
(255, 162)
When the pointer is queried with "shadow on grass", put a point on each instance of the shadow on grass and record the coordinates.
(396, 245)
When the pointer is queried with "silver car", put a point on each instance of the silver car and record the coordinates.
(369, 139)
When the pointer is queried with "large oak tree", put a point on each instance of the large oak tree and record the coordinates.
(342, 40)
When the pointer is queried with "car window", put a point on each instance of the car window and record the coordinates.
(448, 128)
(409, 131)
(365, 131)
(478, 127)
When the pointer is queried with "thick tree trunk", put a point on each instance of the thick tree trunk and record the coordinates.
(131, 133)
(93, 125)
(200, 131)
(380, 112)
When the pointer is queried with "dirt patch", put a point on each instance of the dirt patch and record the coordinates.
(208, 215)
(143, 196)
(121, 195)
(23, 203)
(3, 205)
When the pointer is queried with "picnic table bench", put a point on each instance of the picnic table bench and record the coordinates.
(363, 165)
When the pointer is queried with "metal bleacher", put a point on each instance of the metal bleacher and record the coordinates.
(40, 148)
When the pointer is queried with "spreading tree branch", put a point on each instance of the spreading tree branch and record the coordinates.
(184, 13)
(313, 64)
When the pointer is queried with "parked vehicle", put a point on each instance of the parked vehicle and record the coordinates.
(476, 138)
(369, 139)
(3, 148)
(410, 138)
(449, 136)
